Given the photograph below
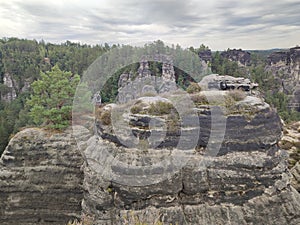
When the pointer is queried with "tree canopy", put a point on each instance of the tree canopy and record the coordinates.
(52, 98)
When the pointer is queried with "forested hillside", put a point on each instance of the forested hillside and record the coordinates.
(21, 63)
(24, 61)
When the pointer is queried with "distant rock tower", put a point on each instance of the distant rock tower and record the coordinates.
(168, 72)
(145, 83)
(9, 82)
(144, 68)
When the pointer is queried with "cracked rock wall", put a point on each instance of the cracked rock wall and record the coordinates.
(40, 179)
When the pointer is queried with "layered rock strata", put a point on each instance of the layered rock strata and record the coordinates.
(40, 179)
(246, 182)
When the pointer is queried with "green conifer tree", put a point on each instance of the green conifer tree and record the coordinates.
(52, 98)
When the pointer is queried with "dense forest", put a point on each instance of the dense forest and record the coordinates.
(26, 62)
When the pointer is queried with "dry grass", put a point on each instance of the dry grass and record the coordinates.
(160, 108)
(193, 88)
(135, 109)
(104, 115)
(237, 95)
(199, 99)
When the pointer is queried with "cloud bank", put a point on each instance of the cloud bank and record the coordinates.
(220, 24)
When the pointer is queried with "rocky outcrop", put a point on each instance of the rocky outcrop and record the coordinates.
(235, 174)
(168, 72)
(295, 171)
(10, 83)
(205, 55)
(291, 143)
(285, 66)
(243, 58)
(12, 88)
(40, 179)
(257, 120)
(246, 182)
(130, 87)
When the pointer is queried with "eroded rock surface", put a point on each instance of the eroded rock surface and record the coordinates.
(205, 55)
(40, 179)
(247, 182)
(130, 87)
(291, 143)
(238, 55)
(285, 66)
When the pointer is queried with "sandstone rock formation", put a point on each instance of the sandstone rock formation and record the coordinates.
(40, 179)
(238, 55)
(130, 87)
(285, 66)
(247, 182)
(11, 85)
(205, 55)
(291, 143)
(295, 171)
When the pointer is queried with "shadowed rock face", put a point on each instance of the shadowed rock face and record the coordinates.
(287, 57)
(205, 55)
(237, 55)
(285, 66)
(277, 57)
(40, 179)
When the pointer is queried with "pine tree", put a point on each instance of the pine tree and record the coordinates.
(52, 98)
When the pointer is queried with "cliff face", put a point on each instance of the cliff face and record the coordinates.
(10, 84)
(205, 55)
(247, 182)
(40, 179)
(291, 142)
(13, 88)
(237, 55)
(145, 83)
(285, 66)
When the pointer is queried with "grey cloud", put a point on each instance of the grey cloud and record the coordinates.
(256, 17)
(191, 21)
(242, 21)
(170, 12)
(42, 9)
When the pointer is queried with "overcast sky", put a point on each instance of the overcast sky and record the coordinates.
(220, 24)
